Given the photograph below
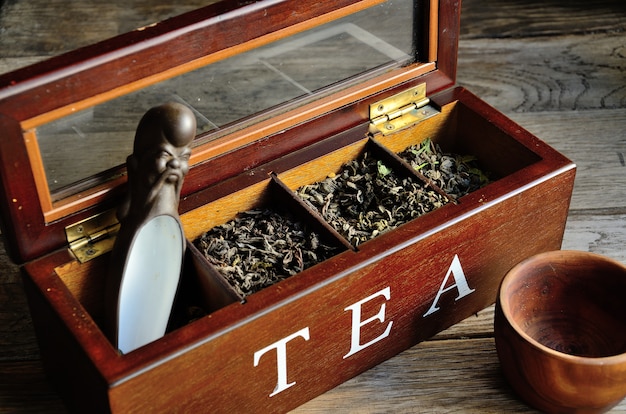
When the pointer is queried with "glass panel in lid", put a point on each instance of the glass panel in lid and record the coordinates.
(256, 84)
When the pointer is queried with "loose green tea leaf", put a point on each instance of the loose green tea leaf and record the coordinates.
(455, 174)
(382, 169)
(366, 198)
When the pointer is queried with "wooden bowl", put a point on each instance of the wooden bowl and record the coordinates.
(560, 329)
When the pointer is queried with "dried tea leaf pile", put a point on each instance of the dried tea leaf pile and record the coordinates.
(457, 175)
(366, 198)
(260, 248)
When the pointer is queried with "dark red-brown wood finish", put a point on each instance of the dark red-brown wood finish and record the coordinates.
(488, 231)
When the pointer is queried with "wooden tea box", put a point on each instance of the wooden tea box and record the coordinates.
(286, 94)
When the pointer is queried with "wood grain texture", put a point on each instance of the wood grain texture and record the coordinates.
(595, 140)
(557, 67)
(525, 19)
(549, 73)
(36, 30)
(428, 378)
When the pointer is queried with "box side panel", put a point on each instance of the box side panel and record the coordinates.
(361, 316)
(67, 365)
(21, 212)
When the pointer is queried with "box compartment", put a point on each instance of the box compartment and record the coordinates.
(304, 230)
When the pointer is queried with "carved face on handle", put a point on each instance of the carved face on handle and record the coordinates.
(167, 163)
(160, 158)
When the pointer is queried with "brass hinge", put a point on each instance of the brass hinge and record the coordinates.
(401, 110)
(94, 236)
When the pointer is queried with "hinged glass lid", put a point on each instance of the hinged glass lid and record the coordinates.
(248, 70)
(79, 145)
(236, 88)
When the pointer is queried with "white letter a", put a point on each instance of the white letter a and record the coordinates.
(460, 282)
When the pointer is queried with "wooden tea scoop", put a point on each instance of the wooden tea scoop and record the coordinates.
(147, 257)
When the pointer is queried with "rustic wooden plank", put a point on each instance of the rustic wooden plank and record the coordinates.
(542, 74)
(25, 389)
(595, 141)
(36, 28)
(448, 376)
(519, 18)
(569, 91)
(17, 338)
(598, 233)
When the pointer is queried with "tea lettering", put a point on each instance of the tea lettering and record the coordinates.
(460, 282)
(281, 359)
(357, 323)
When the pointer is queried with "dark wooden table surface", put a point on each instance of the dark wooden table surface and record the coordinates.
(557, 67)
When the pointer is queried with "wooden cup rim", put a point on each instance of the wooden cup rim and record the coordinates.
(546, 257)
